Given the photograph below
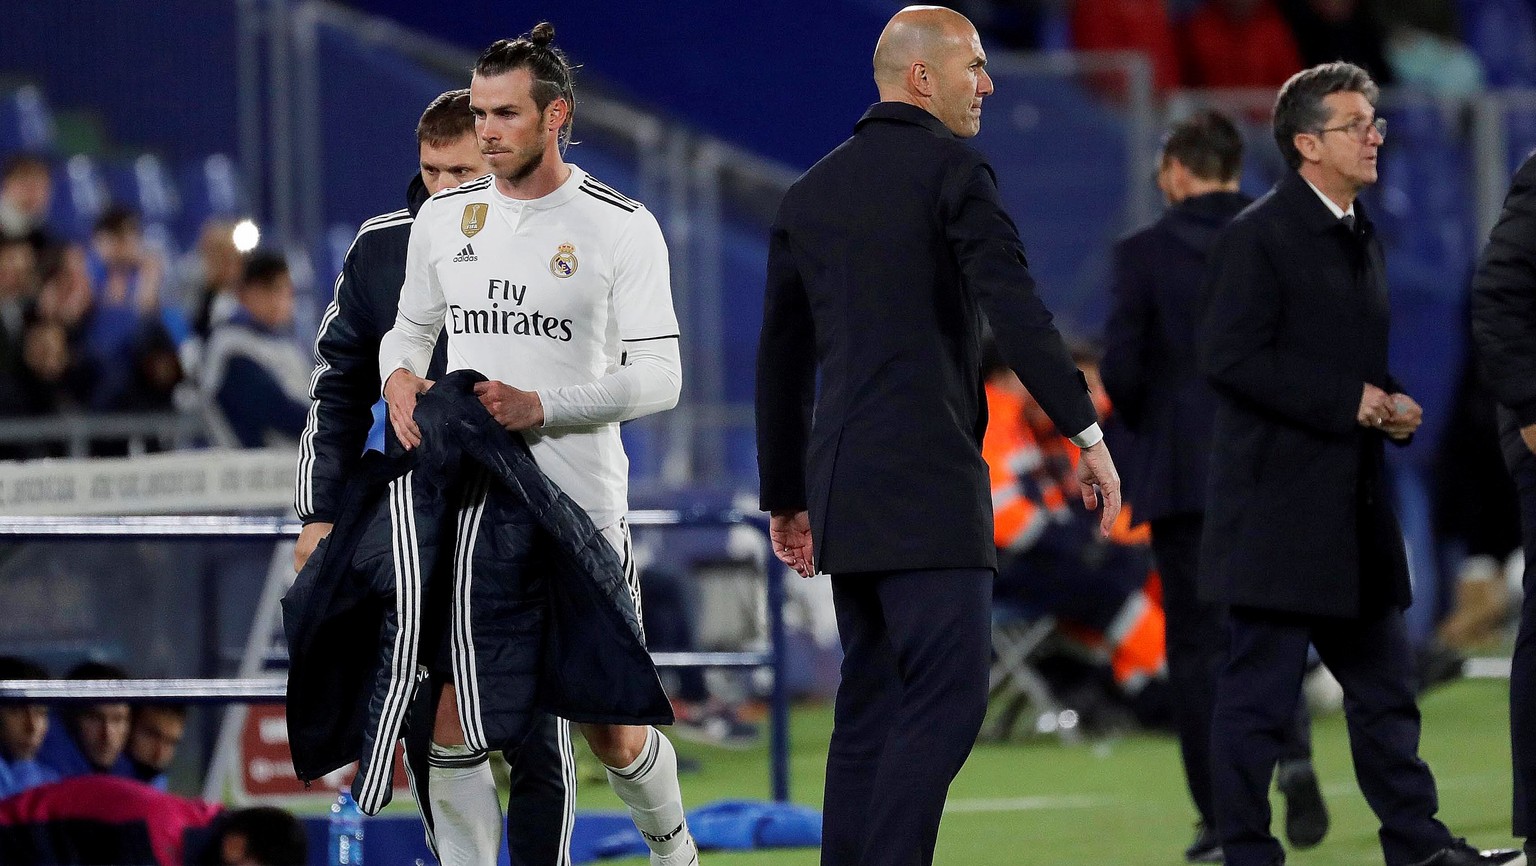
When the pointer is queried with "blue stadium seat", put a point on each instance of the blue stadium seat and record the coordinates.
(1520, 126)
(159, 198)
(25, 121)
(1503, 35)
(210, 187)
(79, 196)
(1422, 203)
(1057, 150)
(642, 444)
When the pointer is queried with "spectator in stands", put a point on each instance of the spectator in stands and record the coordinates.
(215, 277)
(102, 819)
(126, 336)
(18, 272)
(153, 737)
(254, 378)
(22, 729)
(1425, 50)
(18, 288)
(53, 345)
(90, 738)
(38, 372)
(1329, 30)
(65, 296)
(1130, 25)
(1239, 43)
(127, 279)
(1431, 16)
(26, 191)
(45, 368)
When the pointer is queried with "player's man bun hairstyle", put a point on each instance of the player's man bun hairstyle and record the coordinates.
(552, 72)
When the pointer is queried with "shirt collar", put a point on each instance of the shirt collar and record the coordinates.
(1333, 206)
(903, 112)
(561, 194)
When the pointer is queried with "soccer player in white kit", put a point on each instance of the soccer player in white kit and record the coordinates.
(556, 288)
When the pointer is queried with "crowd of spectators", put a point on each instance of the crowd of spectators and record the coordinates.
(115, 326)
(87, 783)
(39, 745)
(1250, 43)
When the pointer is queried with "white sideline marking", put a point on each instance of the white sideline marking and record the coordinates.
(1494, 668)
(1026, 804)
(1477, 782)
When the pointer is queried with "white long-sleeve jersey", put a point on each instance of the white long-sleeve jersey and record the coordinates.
(568, 295)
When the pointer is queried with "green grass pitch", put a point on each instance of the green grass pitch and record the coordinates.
(1123, 802)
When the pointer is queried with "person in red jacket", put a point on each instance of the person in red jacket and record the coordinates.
(109, 819)
(1239, 43)
(1130, 25)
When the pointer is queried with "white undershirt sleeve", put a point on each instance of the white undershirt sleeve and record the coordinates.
(650, 381)
(418, 323)
(1091, 436)
(650, 377)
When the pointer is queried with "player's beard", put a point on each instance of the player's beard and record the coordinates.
(520, 171)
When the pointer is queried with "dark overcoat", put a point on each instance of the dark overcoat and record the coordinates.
(883, 263)
(1504, 313)
(1150, 368)
(1295, 324)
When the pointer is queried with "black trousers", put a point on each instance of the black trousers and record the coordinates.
(541, 805)
(1522, 674)
(1196, 640)
(541, 800)
(916, 652)
(1256, 698)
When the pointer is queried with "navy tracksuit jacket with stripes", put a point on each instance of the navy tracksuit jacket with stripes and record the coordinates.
(539, 611)
(345, 383)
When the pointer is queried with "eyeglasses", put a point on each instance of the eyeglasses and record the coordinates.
(1360, 130)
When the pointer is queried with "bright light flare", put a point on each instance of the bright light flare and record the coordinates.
(246, 236)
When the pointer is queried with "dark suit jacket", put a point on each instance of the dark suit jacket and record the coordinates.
(1295, 324)
(1149, 366)
(881, 262)
(1504, 313)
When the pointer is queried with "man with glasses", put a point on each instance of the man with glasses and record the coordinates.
(1300, 541)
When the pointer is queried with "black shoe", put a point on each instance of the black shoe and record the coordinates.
(1459, 853)
(1439, 664)
(1306, 815)
(1206, 848)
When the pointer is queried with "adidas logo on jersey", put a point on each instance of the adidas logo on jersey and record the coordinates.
(467, 254)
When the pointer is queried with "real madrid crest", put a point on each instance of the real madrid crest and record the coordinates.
(474, 218)
(563, 265)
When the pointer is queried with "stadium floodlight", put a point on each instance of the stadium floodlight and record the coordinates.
(246, 236)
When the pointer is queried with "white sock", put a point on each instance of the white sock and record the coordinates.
(649, 788)
(466, 815)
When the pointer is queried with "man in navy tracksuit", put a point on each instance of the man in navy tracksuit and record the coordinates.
(343, 390)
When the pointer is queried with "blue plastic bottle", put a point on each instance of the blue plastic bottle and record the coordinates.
(346, 847)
